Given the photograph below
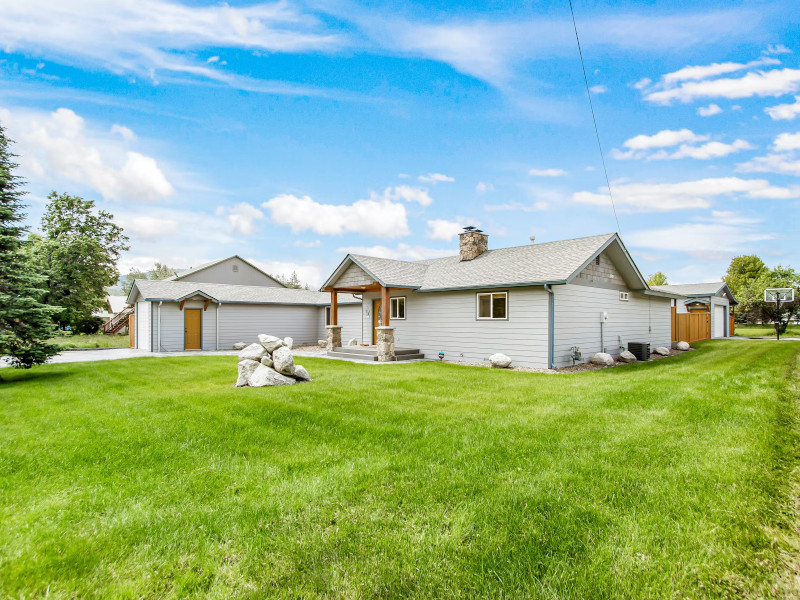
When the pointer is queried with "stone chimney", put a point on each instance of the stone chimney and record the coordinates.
(472, 243)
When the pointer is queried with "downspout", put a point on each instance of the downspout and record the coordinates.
(216, 333)
(551, 326)
(159, 326)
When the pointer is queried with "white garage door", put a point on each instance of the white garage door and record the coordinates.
(719, 321)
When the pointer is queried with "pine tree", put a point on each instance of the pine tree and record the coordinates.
(25, 322)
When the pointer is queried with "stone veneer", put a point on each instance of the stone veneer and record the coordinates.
(334, 336)
(385, 345)
(472, 244)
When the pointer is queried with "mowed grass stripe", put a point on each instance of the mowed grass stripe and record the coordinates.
(155, 478)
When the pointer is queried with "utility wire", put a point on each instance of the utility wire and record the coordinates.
(594, 118)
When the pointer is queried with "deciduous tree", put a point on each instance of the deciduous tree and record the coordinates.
(657, 278)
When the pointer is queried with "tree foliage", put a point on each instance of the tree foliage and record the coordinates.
(25, 321)
(78, 253)
(657, 278)
(748, 276)
(290, 282)
(157, 273)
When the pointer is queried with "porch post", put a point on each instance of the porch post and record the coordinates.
(334, 308)
(385, 306)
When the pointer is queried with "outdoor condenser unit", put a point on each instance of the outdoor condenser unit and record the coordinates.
(640, 350)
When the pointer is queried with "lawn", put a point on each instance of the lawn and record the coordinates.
(154, 478)
(764, 330)
(96, 340)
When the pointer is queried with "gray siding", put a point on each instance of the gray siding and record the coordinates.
(446, 321)
(577, 321)
(143, 326)
(349, 317)
(720, 300)
(224, 273)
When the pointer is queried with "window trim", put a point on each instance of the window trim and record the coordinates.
(624, 296)
(491, 305)
(405, 308)
(327, 316)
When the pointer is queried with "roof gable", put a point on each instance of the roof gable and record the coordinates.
(233, 270)
(700, 290)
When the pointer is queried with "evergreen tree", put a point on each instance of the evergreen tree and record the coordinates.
(25, 322)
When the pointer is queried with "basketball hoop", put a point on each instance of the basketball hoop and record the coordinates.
(779, 295)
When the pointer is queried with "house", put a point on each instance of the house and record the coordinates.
(540, 303)
(714, 301)
(221, 303)
(113, 306)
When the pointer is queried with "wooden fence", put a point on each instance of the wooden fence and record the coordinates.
(132, 331)
(690, 327)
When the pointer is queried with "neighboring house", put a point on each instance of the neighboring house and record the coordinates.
(214, 306)
(715, 298)
(114, 306)
(534, 303)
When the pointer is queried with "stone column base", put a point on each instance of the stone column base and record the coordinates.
(385, 345)
(334, 336)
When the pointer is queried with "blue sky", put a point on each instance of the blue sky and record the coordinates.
(293, 132)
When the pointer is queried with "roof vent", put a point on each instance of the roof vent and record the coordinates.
(472, 243)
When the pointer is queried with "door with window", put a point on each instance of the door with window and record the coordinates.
(192, 328)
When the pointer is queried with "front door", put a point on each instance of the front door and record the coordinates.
(376, 319)
(192, 320)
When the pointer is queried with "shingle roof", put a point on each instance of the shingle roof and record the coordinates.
(530, 264)
(172, 291)
(181, 274)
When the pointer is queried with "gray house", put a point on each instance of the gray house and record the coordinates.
(715, 298)
(536, 303)
(216, 305)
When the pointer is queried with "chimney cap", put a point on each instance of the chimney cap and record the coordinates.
(533, 239)
(469, 228)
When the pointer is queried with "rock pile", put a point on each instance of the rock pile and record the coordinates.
(269, 362)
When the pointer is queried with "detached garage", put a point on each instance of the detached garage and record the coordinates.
(707, 312)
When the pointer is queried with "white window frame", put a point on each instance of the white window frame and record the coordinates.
(327, 316)
(624, 296)
(491, 306)
(393, 303)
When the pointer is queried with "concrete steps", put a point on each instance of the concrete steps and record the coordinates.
(370, 354)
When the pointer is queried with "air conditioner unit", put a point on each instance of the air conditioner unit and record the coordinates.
(603, 317)
(640, 350)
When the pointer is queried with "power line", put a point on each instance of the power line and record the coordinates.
(594, 118)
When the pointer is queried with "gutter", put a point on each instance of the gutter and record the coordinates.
(551, 326)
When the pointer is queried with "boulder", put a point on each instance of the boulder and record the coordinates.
(270, 342)
(499, 361)
(284, 361)
(288, 342)
(239, 346)
(683, 346)
(601, 358)
(266, 360)
(252, 352)
(264, 376)
(299, 372)
(662, 351)
(246, 368)
(353, 342)
(322, 343)
(626, 357)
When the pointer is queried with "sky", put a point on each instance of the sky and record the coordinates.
(291, 133)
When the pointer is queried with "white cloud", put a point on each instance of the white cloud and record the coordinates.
(775, 82)
(304, 244)
(59, 146)
(547, 172)
(598, 89)
(374, 217)
(442, 229)
(709, 111)
(777, 49)
(405, 193)
(704, 151)
(435, 178)
(784, 111)
(698, 72)
(309, 273)
(702, 240)
(212, 59)
(642, 83)
(664, 197)
(146, 227)
(639, 147)
(126, 133)
(663, 139)
(785, 164)
(787, 141)
(399, 252)
(518, 206)
(482, 186)
(241, 218)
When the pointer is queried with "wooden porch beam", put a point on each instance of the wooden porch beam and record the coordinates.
(205, 306)
(385, 306)
(182, 303)
(334, 308)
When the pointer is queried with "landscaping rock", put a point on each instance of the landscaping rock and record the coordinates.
(264, 376)
(322, 343)
(252, 352)
(266, 361)
(499, 361)
(683, 346)
(246, 368)
(601, 358)
(284, 361)
(299, 372)
(626, 357)
(288, 342)
(239, 346)
(270, 342)
(353, 342)
(662, 351)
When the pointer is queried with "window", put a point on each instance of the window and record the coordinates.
(597, 260)
(327, 315)
(623, 296)
(397, 308)
(493, 306)
(235, 268)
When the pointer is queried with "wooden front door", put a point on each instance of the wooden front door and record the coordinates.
(377, 313)
(192, 328)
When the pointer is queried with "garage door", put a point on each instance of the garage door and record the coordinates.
(719, 321)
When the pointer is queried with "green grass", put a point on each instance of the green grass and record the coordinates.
(154, 478)
(96, 340)
(764, 330)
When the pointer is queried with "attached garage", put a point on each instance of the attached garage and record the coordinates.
(706, 312)
(719, 326)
